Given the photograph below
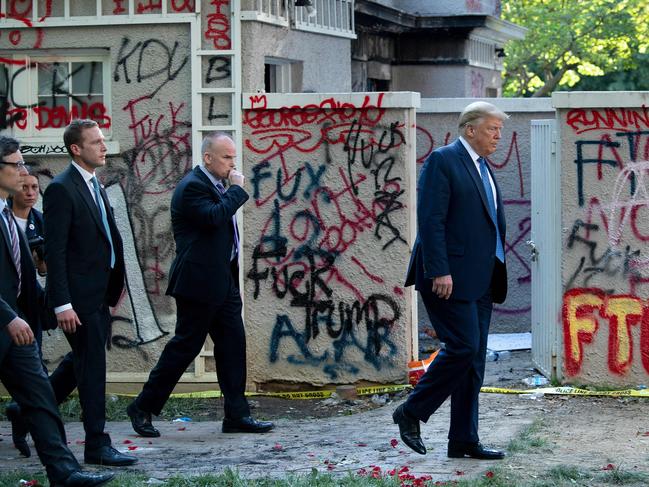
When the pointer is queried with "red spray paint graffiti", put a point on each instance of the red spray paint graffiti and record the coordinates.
(586, 310)
(218, 25)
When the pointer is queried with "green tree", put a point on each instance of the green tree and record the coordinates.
(569, 40)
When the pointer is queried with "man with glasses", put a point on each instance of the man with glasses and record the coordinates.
(21, 370)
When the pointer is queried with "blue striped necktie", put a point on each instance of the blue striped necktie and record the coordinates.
(104, 219)
(484, 174)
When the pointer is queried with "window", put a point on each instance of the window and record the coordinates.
(40, 95)
(277, 75)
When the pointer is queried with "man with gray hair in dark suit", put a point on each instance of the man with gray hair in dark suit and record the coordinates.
(458, 267)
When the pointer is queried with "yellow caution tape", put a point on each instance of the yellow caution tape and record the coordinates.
(570, 391)
(364, 391)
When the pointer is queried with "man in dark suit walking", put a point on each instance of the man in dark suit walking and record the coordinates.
(458, 267)
(85, 264)
(21, 370)
(204, 280)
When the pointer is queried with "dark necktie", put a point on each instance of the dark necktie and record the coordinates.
(484, 174)
(104, 219)
(235, 244)
(15, 244)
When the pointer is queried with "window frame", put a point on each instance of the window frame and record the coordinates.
(28, 95)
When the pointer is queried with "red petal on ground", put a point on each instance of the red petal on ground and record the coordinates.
(132, 447)
(80, 442)
(459, 472)
(182, 428)
(404, 469)
(330, 466)
(361, 444)
(610, 466)
(278, 447)
(394, 442)
(489, 474)
(127, 442)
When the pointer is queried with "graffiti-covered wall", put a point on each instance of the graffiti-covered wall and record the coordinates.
(437, 126)
(136, 83)
(328, 234)
(605, 223)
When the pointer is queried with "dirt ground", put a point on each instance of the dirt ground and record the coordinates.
(594, 435)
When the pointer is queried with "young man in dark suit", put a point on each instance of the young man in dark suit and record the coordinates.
(21, 370)
(85, 265)
(458, 267)
(204, 280)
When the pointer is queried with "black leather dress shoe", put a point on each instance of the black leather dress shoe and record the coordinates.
(18, 429)
(409, 429)
(84, 479)
(107, 455)
(458, 449)
(246, 425)
(141, 421)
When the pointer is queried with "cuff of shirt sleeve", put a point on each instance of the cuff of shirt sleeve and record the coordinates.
(62, 308)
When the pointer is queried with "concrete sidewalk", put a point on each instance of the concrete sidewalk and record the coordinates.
(336, 445)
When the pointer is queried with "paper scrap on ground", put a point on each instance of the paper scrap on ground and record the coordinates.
(509, 341)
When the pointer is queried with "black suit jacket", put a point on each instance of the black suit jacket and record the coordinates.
(455, 232)
(77, 250)
(201, 218)
(27, 305)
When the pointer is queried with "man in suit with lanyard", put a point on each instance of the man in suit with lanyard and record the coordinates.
(204, 280)
(21, 370)
(85, 265)
(458, 267)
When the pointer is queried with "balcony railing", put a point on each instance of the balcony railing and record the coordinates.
(332, 17)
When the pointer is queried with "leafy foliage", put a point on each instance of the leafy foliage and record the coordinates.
(568, 41)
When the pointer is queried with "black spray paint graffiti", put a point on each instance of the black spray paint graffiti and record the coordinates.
(155, 60)
(218, 68)
(381, 163)
(308, 240)
(610, 262)
(57, 103)
(592, 152)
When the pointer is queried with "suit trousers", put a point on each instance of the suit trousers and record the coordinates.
(88, 371)
(21, 371)
(458, 369)
(195, 321)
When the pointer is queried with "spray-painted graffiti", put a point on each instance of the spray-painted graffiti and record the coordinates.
(586, 310)
(613, 119)
(153, 6)
(328, 186)
(606, 266)
(155, 61)
(57, 104)
(511, 166)
(217, 26)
